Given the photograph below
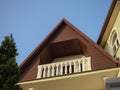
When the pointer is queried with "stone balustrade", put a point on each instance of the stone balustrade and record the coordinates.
(64, 67)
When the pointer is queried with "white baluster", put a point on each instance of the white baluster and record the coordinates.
(70, 67)
(84, 64)
(48, 71)
(88, 63)
(79, 65)
(61, 69)
(57, 68)
(65, 67)
(39, 75)
(44, 72)
(53, 71)
(75, 67)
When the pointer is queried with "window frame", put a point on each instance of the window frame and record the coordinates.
(114, 40)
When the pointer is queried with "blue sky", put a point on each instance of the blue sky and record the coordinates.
(31, 20)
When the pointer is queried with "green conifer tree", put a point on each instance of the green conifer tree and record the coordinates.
(9, 70)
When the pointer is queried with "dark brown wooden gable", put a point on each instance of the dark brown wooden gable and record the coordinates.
(66, 42)
(63, 35)
(66, 33)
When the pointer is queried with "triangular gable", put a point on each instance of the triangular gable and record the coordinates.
(54, 35)
(65, 33)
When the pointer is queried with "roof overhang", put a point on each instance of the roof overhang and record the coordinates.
(93, 80)
(62, 49)
(67, 48)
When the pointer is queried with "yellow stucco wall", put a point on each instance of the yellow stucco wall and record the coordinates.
(117, 24)
(117, 27)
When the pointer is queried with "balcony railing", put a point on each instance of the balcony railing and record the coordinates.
(64, 67)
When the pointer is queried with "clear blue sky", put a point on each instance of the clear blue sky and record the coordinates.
(31, 20)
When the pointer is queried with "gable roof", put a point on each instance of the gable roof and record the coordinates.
(51, 34)
(42, 45)
(56, 31)
(106, 21)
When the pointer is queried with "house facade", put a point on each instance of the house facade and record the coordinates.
(109, 40)
(110, 35)
(69, 60)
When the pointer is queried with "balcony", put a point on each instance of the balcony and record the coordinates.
(64, 67)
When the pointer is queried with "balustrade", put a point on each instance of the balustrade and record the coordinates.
(64, 67)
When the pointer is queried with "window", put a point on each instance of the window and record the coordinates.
(114, 41)
(114, 37)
